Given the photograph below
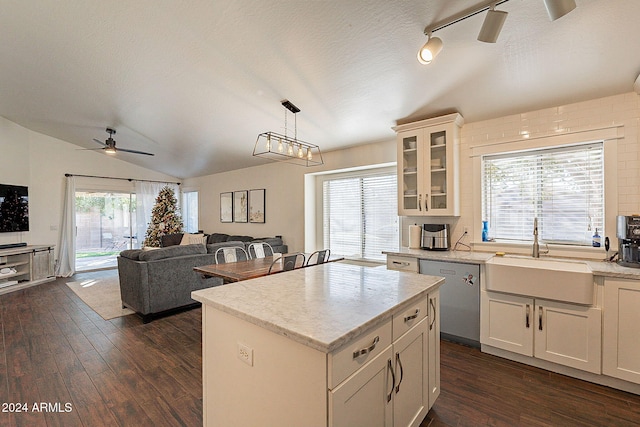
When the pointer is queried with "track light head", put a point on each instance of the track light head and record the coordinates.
(558, 8)
(492, 25)
(430, 50)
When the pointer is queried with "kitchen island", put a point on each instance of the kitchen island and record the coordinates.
(328, 345)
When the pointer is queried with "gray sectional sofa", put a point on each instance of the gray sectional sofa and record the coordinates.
(160, 281)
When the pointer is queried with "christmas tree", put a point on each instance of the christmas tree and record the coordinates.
(165, 218)
(14, 212)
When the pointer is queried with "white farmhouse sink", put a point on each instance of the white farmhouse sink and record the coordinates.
(559, 280)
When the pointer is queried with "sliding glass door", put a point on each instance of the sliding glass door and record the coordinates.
(105, 226)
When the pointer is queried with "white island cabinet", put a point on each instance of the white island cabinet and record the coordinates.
(329, 345)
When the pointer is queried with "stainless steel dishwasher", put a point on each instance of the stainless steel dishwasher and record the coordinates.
(459, 300)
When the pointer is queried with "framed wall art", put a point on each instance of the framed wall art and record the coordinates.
(226, 207)
(240, 206)
(256, 206)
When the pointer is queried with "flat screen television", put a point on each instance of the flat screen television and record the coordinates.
(14, 208)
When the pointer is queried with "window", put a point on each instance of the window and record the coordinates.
(562, 187)
(360, 215)
(190, 211)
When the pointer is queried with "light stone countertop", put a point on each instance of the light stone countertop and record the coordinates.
(451, 256)
(323, 306)
(598, 268)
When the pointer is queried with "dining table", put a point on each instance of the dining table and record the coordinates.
(250, 269)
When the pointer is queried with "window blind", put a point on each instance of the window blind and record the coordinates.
(562, 187)
(360, 217)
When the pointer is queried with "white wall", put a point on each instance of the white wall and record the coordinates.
(40, 162)
(284, 184)
(36, 160)
(605, 112)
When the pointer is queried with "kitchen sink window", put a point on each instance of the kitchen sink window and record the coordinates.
(360, 213)
(563, 187)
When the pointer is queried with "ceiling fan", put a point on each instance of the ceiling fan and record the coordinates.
(109, 146)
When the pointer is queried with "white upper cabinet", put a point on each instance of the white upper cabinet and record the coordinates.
(428, 163)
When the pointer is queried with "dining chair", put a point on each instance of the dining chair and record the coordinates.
(231, 254)
(260, 250)
(319, 257)
(289, 262)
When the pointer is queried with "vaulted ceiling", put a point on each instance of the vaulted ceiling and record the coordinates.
(195, 82)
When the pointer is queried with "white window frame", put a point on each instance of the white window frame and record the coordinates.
(185, 210)
(540, 165)
(609, 135)
(348, 173)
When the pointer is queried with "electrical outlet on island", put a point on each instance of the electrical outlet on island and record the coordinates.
(245, 353)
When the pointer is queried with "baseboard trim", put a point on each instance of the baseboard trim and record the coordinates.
(563, 370)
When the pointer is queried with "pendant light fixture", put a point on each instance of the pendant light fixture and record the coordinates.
(282, 148)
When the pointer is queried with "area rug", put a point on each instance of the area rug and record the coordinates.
(102, 295)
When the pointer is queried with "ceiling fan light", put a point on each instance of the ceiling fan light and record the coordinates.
(110, 150)
(430, 50)
(558, 8)
(492, 26)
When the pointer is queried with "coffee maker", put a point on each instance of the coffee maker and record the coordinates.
(628, 234)
(436, 237)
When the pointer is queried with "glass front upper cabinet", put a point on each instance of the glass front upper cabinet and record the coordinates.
(428, 183)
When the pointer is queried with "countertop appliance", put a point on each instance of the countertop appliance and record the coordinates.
(436, 237)
(628, 234)
(459, 300)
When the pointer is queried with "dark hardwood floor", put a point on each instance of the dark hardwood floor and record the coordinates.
(91, 372)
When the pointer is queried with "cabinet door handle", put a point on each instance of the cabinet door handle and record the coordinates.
(393, 376)
(366, 350)
(426, 205)
(420, 202)
(527, 316)
(433, 306)
(413, 316)
(399, 363)
(540, 318)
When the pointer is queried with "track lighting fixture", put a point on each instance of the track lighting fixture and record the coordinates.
(431, 48)
(491, 26)
(558, 8)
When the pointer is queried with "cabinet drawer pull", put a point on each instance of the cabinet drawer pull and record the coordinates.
(413, 316)
(369, 349)
(400, 263)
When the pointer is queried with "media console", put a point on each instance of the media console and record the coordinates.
(25, 265)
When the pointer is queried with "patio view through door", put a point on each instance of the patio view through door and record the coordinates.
(105, 226)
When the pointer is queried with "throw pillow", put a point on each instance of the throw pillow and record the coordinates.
(192, 239)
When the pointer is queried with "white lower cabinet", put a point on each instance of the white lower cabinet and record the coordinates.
(399, 385)
(362, 399)
(410, 396)
(566, 334)
(621, 342)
